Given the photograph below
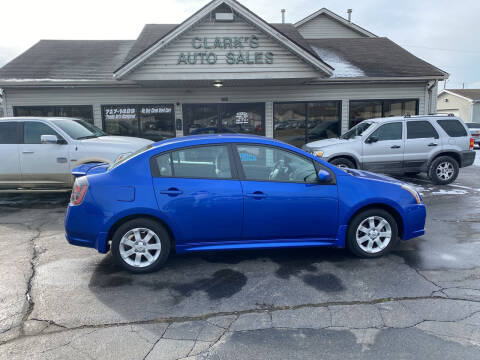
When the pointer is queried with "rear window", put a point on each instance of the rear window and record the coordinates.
(473, 125)
(453, 128)
(8, 133)
(420, 130)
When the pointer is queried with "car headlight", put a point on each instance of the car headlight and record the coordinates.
(412, 191)
(122, 156)
(317, 153)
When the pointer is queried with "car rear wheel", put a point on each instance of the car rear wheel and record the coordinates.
(141, 245)
(342, 162)
(372, 233)
(443, 170)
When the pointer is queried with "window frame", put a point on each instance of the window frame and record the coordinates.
(382, 101)
(137, 115)
(155, 172)
(307, 113)
(421, 120)
(387, 123)
(316, 164)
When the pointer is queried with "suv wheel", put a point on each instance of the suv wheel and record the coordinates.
(141, 245)
(443, 170)
(372, 233)
(342, 162)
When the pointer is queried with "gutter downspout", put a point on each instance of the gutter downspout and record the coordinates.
(430, 86)
(4, 95)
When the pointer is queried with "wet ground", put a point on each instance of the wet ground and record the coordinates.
(421, 301)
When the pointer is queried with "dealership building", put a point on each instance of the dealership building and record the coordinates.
(224, 69)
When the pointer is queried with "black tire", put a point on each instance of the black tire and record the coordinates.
(436, 177)
(162, 235)
(412, 173)
(352, 244)
(343, 162)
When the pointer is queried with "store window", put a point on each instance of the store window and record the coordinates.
(298, 123)
(368, 109)
(154, 122)
(84, 112)
(245, 118)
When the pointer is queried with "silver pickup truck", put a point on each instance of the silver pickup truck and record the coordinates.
(40, 153)
(436, 144)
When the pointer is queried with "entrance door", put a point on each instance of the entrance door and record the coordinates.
(245, 118)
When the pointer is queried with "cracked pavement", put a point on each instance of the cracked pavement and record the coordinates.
(421, 301)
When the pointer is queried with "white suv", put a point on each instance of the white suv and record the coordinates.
(41, 152)
(437, 145)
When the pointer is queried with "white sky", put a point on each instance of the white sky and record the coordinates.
(443, 32)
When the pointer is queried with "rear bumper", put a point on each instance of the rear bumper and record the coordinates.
(467, 158)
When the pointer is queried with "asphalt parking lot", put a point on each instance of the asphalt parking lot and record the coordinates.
(421, 301)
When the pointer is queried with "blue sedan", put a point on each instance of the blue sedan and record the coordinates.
(217, 192)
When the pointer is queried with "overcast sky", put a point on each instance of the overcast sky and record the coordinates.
(445, 33)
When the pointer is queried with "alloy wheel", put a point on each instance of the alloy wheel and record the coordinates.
(140, 247)
(373, 234)
(445, 170)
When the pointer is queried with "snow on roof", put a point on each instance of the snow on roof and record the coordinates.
(343, 68)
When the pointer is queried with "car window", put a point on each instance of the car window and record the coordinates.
(391, 131)
(79, 129)
(420, 130)
(453, 127)
(32, 131)
(263, 163)
(205, 162)
(473, 125)
(164, 165)
(357, 130)
(8, 133)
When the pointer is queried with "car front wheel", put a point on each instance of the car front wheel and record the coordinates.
(342, 162)
(372, 233)
(141, 245)
(443, 170)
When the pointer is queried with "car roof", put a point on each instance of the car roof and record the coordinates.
(216, 138)
(412, 117)
(44, 118)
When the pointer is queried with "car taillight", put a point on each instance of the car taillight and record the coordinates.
(79, 190)
(472, 143)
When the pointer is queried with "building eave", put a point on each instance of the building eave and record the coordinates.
(20, 83)
(376, 79)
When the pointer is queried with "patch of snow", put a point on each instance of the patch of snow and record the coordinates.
(449, 192)
(342, 67)
(477, 158)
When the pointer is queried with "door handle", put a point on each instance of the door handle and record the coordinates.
(432, 144)
(395, 147)
(256, 195)
(27, 152)
(172, 192)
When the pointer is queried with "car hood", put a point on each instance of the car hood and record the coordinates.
(373, 176)
(320, 144)
(128, 141)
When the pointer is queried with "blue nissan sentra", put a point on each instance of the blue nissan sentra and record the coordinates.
(217, 192)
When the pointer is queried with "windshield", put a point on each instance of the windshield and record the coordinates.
(357, 130)
(79, 129)
(129, 156)
(473, 126)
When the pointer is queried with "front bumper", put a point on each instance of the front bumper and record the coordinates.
(467, 158)
(414, 226)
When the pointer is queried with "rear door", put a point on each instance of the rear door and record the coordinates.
(43, 164)
(283, 200)
(383, 149)
(421, 143)
(197, 188)
(9, 154)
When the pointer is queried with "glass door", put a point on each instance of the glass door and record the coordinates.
(200, 119)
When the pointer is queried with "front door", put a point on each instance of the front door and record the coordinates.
(9, 150)
(196, 188)
(282, 197)
(246, 118)
(43, 164)
(383, 149)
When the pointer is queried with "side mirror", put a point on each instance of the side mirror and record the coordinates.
(371, 139)
(324, 176)
(49, 139)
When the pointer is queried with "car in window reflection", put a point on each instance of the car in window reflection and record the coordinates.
(231, 191)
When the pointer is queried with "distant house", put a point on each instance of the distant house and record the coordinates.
(1, 105)
(460, 102)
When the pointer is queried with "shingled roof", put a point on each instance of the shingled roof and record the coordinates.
(374, 57)
(93, 60)
(472, 94)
